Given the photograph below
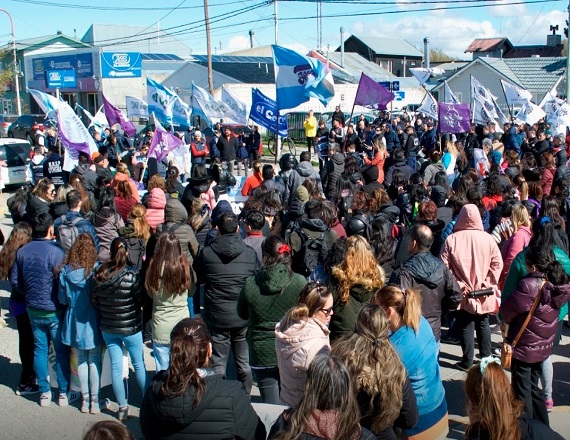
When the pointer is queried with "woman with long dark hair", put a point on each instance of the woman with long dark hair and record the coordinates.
(328, 408)
(107, 222)
(263, 301)
(383, 390)
(300, 336)
(80, 327)
(21, 235)
(124, 199)
(168, 281)
(190, 401)
(117, 292)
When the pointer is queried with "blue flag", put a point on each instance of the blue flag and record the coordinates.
(263, 112)
(159, 100)
(299, 78)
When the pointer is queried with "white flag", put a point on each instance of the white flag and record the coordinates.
(530, 113)
(515, 95)
(429, 106)
(205, 106)
(136, 108)
(448, 96)
(483, 95)
(421, 74)
(235, 104)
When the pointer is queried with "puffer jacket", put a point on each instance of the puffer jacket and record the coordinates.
(224, 266)
(107, 225)
(33, 274)
(124, 206)
(438, 289)
(292, 180)
(136, 246)
(224, 412)
(296, 347)
(263, 301)
(175, 222)
(36, 206)
(119, 300)
(155, 210)
(537, 340)
(331, 173)
(474, 260)
(306, 170)
(120, 177)
(80, 328)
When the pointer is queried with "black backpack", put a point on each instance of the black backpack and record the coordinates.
(313, 252)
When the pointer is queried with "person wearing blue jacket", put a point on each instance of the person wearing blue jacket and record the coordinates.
(33, 274)
(73, 199)
(80, 327)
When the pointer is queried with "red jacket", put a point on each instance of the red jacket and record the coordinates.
(251, 183)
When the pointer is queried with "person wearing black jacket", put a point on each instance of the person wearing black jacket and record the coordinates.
(53, 168)
(438, 288)
(562, 170)
(332, 171)
(190, 401)
(228, 146)
(223, 266)
(399, 164)
(117, 295)
(411, 147)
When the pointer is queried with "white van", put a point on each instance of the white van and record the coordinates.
(16, 154)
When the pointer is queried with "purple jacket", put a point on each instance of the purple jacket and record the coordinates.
(535, 344)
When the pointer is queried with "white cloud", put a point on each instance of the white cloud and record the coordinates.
(237, 42)
(507, 9)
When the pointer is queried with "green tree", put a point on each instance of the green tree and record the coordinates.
(437, 55)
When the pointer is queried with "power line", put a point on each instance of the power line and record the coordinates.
(115, 8)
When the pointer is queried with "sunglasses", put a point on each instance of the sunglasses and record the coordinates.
(327, 312)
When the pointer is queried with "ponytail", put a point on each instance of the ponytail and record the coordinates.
(555, 273)
(299, 313)
(406, 302)
(312, 298)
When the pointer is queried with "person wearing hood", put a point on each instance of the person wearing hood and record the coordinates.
(332, 171)
(434, 167)
(86, 172)
(107, 223)
(306, 170)
(191, 401)
(221, 208)
(296, 212)
(124, 175)
(562, 170)
(199, 187)
(263, 301)
(291, 178)
(370, 176)
(439, 197)
(439, 291)
(80, 326)
(253, 181)
(156, 201)
(199, 149)
(399, 163)
(475, 261)
(541, 293)
(224, 266)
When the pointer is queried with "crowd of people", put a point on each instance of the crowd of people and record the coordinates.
(330, 285)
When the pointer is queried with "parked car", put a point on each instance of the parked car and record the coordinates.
(5, 122)
(26, 126)
(16, 154)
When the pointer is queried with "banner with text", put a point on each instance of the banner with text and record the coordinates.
(264, 112)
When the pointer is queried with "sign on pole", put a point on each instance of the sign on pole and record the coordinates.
(61, 79)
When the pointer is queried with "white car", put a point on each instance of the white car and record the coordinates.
(15, 153)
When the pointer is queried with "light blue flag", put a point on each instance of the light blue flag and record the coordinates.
(210, 110)
(235, 104)
(299, 78)
(159, 100)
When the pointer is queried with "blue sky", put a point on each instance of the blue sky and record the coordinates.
(449, 30)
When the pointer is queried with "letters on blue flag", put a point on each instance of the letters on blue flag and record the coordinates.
(299, 78)
(454, 118)
(264, 112)
(159, 101)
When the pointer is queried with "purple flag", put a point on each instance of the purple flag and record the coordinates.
(370, 94)
(454, 118)
(116, 116)
(163, 142)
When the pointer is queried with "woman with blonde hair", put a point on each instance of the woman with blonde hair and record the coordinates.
(520, 223)
(300, 336)
(449, 160)
(521, 187)
(413, 340)
(383, 390)
(136, 232)
(513, 164)
(353, 283)
(380, 154)
(59, 205)
(494, 411)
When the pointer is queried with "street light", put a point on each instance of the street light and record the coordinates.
(16, 78)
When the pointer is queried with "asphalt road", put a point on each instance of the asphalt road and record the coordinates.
(21, 417)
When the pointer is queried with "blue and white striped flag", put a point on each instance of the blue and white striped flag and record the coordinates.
(299, 78)
(159, 100)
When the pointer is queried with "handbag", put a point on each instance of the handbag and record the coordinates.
(506, 348)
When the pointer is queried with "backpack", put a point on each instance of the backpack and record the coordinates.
(313, 252)
(68, 232)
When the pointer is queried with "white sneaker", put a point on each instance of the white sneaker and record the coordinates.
(45, 399)
(63, 399)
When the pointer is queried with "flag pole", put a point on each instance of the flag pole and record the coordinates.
(277, 139)
(508, 106)
(349, 120)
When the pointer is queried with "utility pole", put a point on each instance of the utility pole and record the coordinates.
(15, 60)
(276, 22)
(208, 48)
(251, 33)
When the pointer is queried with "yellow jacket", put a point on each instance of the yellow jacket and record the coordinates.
(310, 125)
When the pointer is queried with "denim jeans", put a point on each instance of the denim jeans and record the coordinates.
(222, 340)
(89, 370)
(524, 378)
(268, 383)
(161, 355)
(45, 329)
(134, 345)
(466, 322)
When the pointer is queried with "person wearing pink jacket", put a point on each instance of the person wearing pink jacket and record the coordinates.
(520, 221)
(475, 261)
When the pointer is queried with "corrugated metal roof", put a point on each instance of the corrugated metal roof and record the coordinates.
(390, 46)
(486, 44)
(43, 41)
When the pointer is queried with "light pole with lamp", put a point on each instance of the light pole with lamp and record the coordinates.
(16, 73)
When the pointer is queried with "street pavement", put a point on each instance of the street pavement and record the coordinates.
(21, 417)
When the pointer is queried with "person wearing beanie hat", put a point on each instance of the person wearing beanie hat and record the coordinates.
(302, 194)
(199, 150)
